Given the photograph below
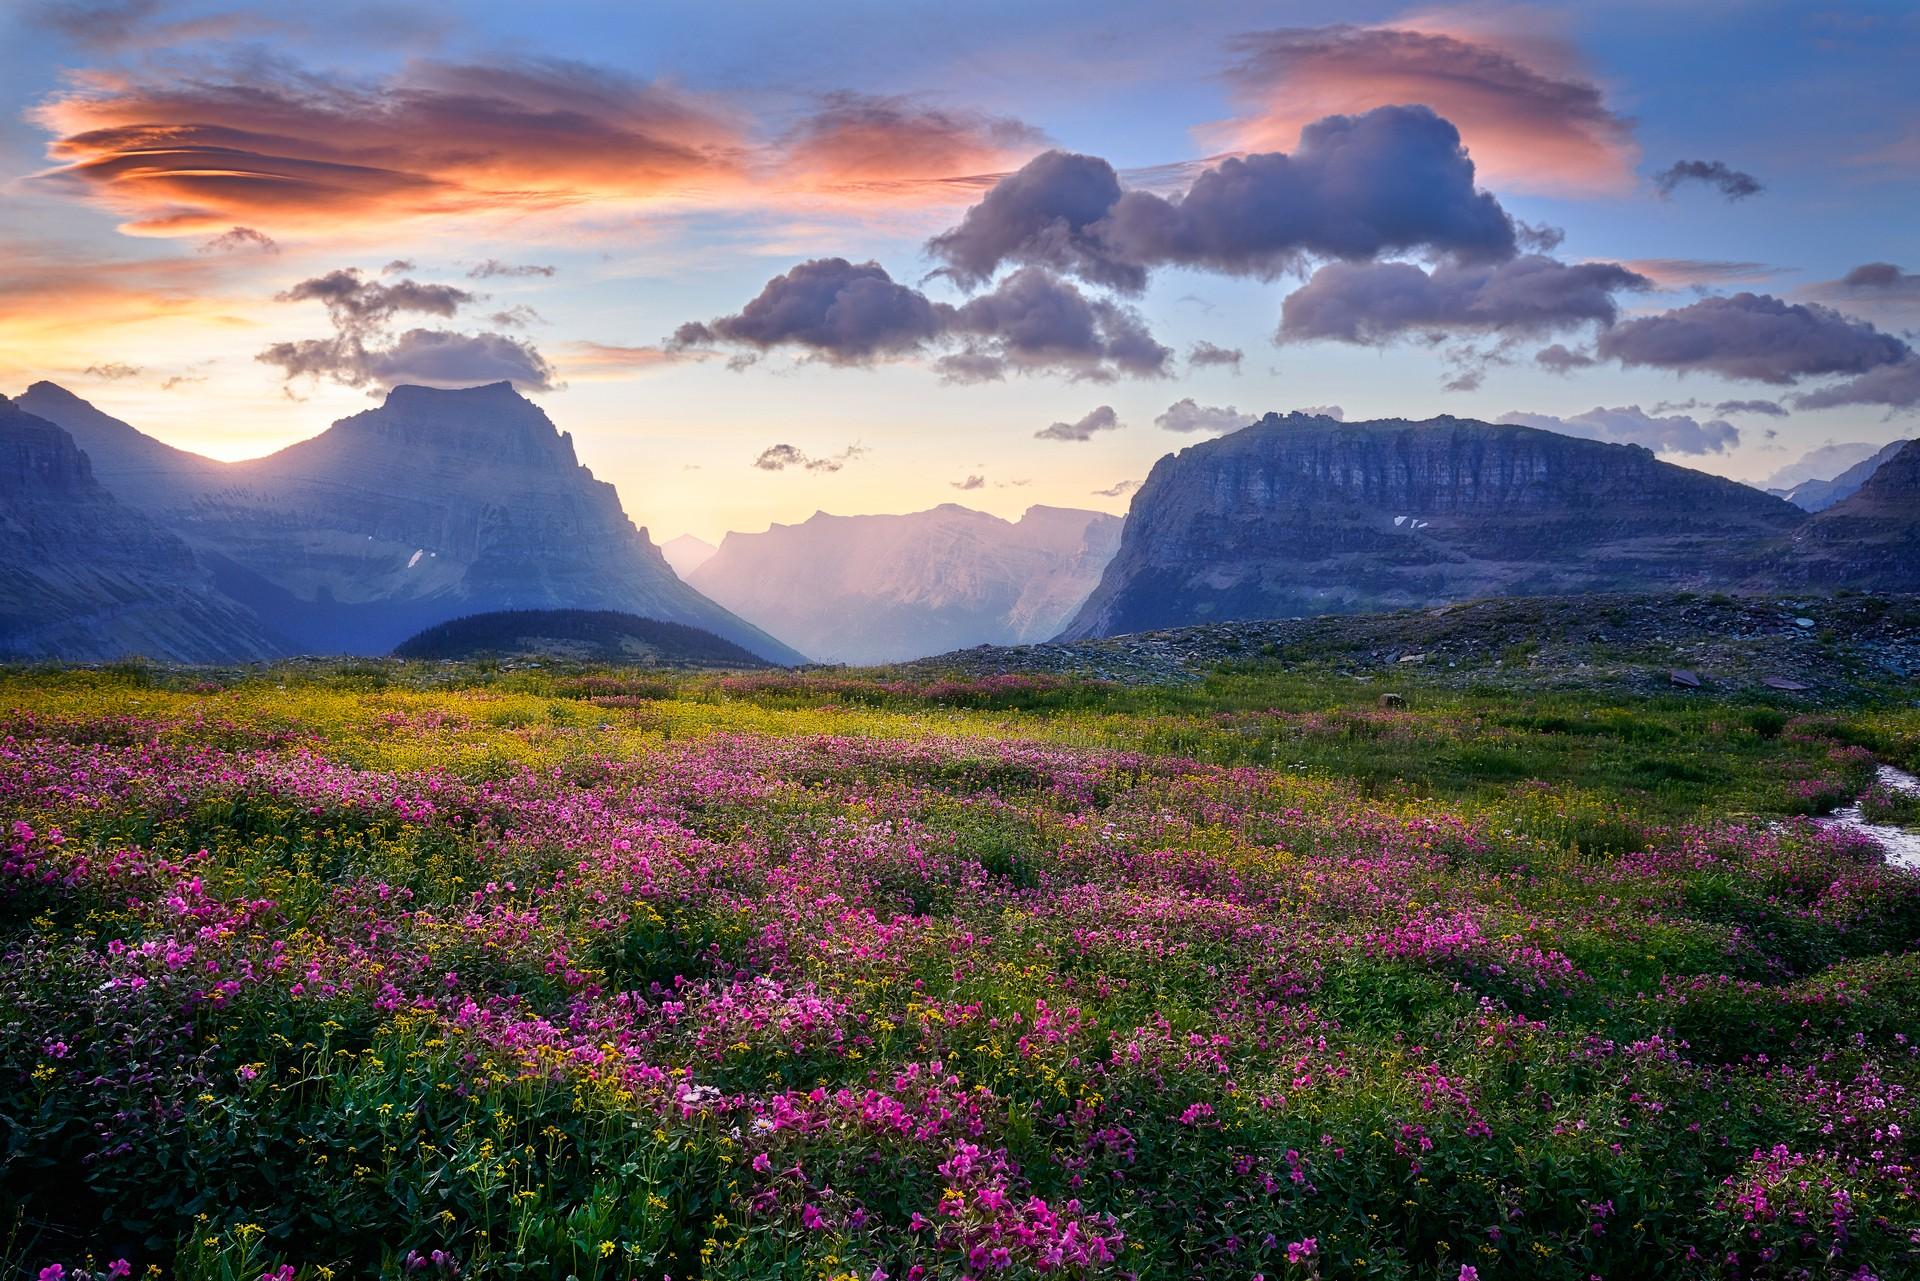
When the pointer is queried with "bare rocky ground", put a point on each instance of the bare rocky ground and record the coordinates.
(1811, 649)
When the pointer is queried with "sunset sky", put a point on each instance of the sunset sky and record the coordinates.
(1098, 232)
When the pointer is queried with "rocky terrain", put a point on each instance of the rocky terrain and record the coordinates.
(84, 577)
(1303, 515)
(1798, 648)
(434, 505)
(576, 635)
(865, 589)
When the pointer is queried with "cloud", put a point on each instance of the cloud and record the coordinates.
(1097, 420)
(1559, 359)
(855, 314)
(1334, 412)
(1393, 179)
(1630, 425)
(781, 457)
(235, 239)
(1531, 117)
(1752, 336)
(1374, 303)
(493, 267)
(363, 353)
(1681, 273)
(864, 145)
(1771, 408)
(267, 144)
(1895, 385)
(1204, 353)
(1034, 322)
(971, 482)
(598, 360)
(1188, 416)
(1116, 489)
(845, 313)
(518, 316)
(113, 371)
(113, 25)
(1732, 183)
(1873, 288)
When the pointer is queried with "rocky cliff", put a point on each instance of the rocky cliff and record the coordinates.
(435, 505)
(1306, 515)
(866, 589)
(86, 578)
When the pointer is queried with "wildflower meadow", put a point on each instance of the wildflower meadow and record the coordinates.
(378, 970)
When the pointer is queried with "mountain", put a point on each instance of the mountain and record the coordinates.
(687, 553)
(86, 578)
(131, 465)
(870, 589)
(1818, 495)
(1306, 515)
(583, 635)
(1869, 540)
(434, 505)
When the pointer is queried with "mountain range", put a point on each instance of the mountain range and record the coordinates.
(1817, 495)
(435, 505)
(1307, 515)
(872, 589)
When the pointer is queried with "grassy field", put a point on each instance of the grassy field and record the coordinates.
(374, 969)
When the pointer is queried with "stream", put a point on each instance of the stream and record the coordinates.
(1902, 846)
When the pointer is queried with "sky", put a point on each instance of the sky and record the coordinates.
(762, 260)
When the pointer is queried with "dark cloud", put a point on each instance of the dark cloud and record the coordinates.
(1879, 289)
(1559, 359)
(1374, 303)
(781, 457)
(1395, 178)
(1731, 183)
(113, 371)
(1204, 353)
(1189, 416)
(1529, 119)
(518, 316)
(971, 482)
(357, 304)
(855, 314)
(1034, 322)
(362, 352)
(1752, 336)
(1896, 386)
(1097, 420)
(236, 239)
(399, 266)
(493, 267)
(1630, 425)
(1878, 277)
(1771, 408)
(845, 313)
(1116, 489)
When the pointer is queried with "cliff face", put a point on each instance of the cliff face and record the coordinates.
(435, 505)
(868, 589)
(1305, 515)
(85, 578)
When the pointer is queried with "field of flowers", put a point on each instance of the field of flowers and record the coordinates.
(385, 971)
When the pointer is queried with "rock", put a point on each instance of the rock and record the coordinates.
(1781, 682)
(1684, 678)
(1393, 700)
(1803, 622)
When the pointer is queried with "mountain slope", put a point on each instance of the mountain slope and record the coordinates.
(1306, 515)
(583, 635)
(864, 589)
(1818, 495)
(86, 578)
(1870, 540)
(687, 553)
(134, 467)
(435, 505)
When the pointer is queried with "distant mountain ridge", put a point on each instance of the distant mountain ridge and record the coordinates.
(435, 504)
(864, 589)
(84, 577)
(1817, 495)
(1306, 515)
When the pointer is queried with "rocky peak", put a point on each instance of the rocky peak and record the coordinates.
(37, 458)
(492, 423)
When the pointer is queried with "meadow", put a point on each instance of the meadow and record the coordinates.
(386, 970)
